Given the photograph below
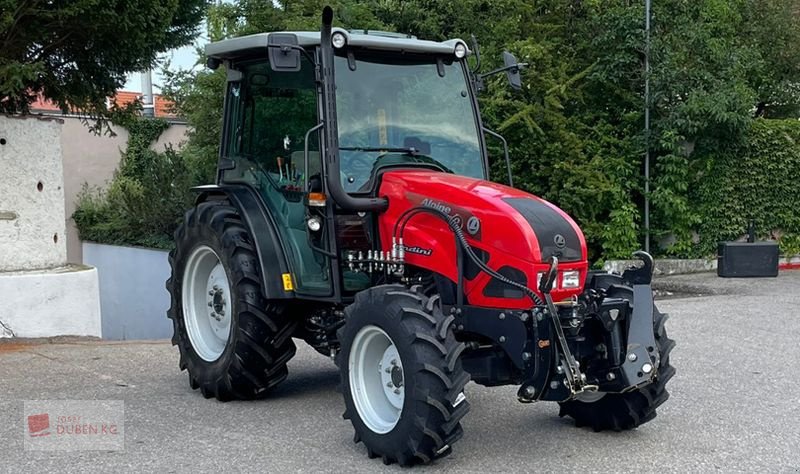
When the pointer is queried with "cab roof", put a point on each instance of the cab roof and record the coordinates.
(377, 40)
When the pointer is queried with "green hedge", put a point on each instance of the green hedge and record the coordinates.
(145, 200)
(756, 179)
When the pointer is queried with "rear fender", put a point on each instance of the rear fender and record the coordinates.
(268, 246)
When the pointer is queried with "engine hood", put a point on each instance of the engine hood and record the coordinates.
(516, 233)
(491, 214)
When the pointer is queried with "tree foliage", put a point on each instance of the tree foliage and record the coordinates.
(576, 129)
(77, 53)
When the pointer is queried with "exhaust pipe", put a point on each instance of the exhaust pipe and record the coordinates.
(331, 133)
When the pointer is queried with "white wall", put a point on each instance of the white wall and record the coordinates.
(32, 227)
(61, 302)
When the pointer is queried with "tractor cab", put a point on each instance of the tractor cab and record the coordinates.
(399, 103)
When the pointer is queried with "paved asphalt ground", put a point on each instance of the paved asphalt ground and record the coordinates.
(735, 405)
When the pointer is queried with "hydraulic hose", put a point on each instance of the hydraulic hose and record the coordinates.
(406, 216)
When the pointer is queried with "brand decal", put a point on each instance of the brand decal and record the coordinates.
(473, 225)
(439, 206)
(461, 217)
(560, 241)
(418, 250)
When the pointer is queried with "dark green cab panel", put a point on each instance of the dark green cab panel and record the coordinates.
(269, 114)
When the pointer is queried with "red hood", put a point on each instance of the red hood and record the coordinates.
(515, 228)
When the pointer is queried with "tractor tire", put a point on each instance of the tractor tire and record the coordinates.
(233, 342)
(402, 378)
(624, 411)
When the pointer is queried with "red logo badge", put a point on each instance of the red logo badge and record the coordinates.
(39, 425)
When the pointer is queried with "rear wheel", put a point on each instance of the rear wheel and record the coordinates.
(401, 375)
(623, 411)
(233, 342)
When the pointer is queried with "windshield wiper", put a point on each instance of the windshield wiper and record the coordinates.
(407, 150)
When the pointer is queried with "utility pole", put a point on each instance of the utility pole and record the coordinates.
(647, 126)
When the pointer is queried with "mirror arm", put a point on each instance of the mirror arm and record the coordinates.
(505, 151)
(296, 47)
(514, 67)
(305, 154)
(476, 48)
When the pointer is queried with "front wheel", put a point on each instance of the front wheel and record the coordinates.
(402, 377)
(623, 411)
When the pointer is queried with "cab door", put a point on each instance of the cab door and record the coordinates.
(269, 113)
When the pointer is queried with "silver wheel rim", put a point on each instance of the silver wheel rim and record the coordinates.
(377, 381)
(206, 298)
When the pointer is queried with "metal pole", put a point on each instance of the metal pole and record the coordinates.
(647, 126)
(148, 110)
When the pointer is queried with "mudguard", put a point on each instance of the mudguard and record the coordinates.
(268, 245)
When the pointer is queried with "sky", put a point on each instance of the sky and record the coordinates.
(181, 58)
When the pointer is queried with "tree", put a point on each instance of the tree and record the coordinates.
(77, 53)
(576, 129)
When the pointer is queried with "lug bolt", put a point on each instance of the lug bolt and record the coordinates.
(554, 385)
(560, 369)
(502, 316)
(389, 384)
(393, 362)
(610, 376)
(526, 355)
(397, 391)
(387, 370)
(210, 304)
(632, 357)
(210, 292)
(647, 368)
(502, 339)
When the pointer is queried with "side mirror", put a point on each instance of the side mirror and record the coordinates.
(284, 52)
(512, 71)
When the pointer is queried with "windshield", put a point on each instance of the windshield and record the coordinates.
(396, 110)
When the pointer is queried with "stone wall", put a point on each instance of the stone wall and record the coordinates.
(32, 227)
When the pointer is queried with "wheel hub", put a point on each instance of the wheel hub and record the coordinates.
(391, 371)
(397, 376)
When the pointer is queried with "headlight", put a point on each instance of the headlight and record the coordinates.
(338, 40)
(461, 50)
(571, 279)
(314, 224)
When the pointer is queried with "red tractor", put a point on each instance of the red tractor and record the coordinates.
(352, 209)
